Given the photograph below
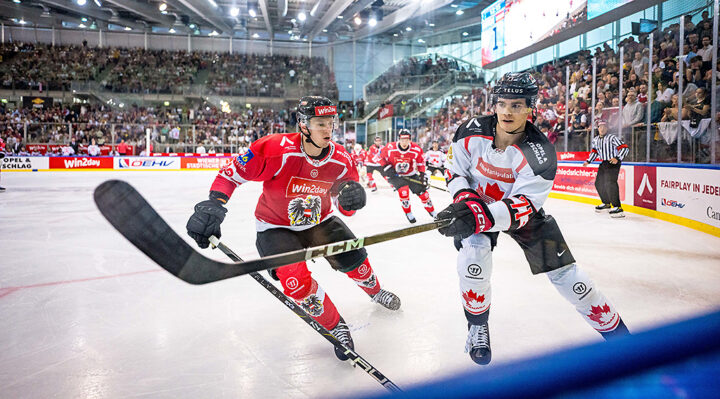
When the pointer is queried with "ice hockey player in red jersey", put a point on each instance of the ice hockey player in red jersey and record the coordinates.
(358, 155)
(403, 166)
(2, 155)
(372, 161)
(500, 171)
(301, 173)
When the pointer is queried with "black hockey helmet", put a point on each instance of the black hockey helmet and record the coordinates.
(516, 85)
(312, 106)
(404, 133)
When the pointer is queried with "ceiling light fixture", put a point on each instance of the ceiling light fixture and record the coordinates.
(408, 29)
(459, 12)
(213, 3)
(234, 12)
(465, 33)
(81, 2)
(302, 16)
(128, 28)
(81, 26)
(255, 36)
(162, 7)
(357, 20)
(172, 30)
(372, 21)
(98, 3)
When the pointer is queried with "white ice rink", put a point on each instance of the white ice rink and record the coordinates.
(83, 314)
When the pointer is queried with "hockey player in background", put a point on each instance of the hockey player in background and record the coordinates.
(358, 155)
(501, 170)
(301, 174)
(2, 155)
(372, 161)
(404, 168)
(435, 159)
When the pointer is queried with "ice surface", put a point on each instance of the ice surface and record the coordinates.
(85, 314)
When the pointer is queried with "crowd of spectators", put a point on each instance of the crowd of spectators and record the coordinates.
(663, 96)
(42, 66)
(198, 129)
(135, 70)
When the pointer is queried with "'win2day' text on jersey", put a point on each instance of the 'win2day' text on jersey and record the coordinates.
(514, 183)
(297, 189)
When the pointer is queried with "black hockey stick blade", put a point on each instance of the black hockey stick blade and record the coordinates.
(135, 219)
(355, 359)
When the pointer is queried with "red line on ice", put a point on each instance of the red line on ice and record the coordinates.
(9, 290)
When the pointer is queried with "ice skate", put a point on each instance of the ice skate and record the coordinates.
(387, 299)
(617, 213)
(602, 208)
(342, 333)
(410, 217)
(478, 343)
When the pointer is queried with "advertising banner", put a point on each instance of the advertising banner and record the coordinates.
(147, 163)
(645, 187)
(205, 162)
(573, 156)
(24, 163)
(46, 149)
(71, 163)
(690, 193)
(580, 180)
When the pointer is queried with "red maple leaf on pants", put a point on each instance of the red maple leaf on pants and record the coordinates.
(596, 312)
(471, 296)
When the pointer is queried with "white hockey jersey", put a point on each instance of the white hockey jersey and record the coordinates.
(514, 183)
(436, 159)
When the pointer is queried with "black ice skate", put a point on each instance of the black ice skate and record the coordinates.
(478, 343)
(387, 299)
(617, 213)
(602, 208)
(342, 333)
(410, 217)
(2, 189)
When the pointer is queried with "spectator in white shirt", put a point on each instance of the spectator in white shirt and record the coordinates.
(93, 149)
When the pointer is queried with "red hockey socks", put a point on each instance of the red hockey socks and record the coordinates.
(371, 181)
(365, 278)
(298, 284)
(425, 198)
(404, 193)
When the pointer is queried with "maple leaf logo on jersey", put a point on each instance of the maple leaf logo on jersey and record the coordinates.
(474, 302)
(491, 193)
(597, 312)
(312, 306)
(304, 211)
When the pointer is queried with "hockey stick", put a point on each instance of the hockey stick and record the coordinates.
(353, 357)
(428, 184)
(135, 219)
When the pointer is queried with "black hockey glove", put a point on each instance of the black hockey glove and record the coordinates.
(424, 180)
(469, 213)
(351, 195)
(205, 222)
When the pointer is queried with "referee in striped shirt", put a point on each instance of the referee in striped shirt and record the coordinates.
(611, 149)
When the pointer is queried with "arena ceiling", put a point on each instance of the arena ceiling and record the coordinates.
(319, 21)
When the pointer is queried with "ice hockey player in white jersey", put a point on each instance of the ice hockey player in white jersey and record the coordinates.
(501, 170)
(435, 159)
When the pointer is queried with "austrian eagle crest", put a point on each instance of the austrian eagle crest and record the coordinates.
(304, 211)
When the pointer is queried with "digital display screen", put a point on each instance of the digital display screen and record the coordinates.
(509, 26)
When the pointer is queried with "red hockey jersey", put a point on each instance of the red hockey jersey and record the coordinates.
(372, 155)
(358, 157)
(297, 190)
(406, 163)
